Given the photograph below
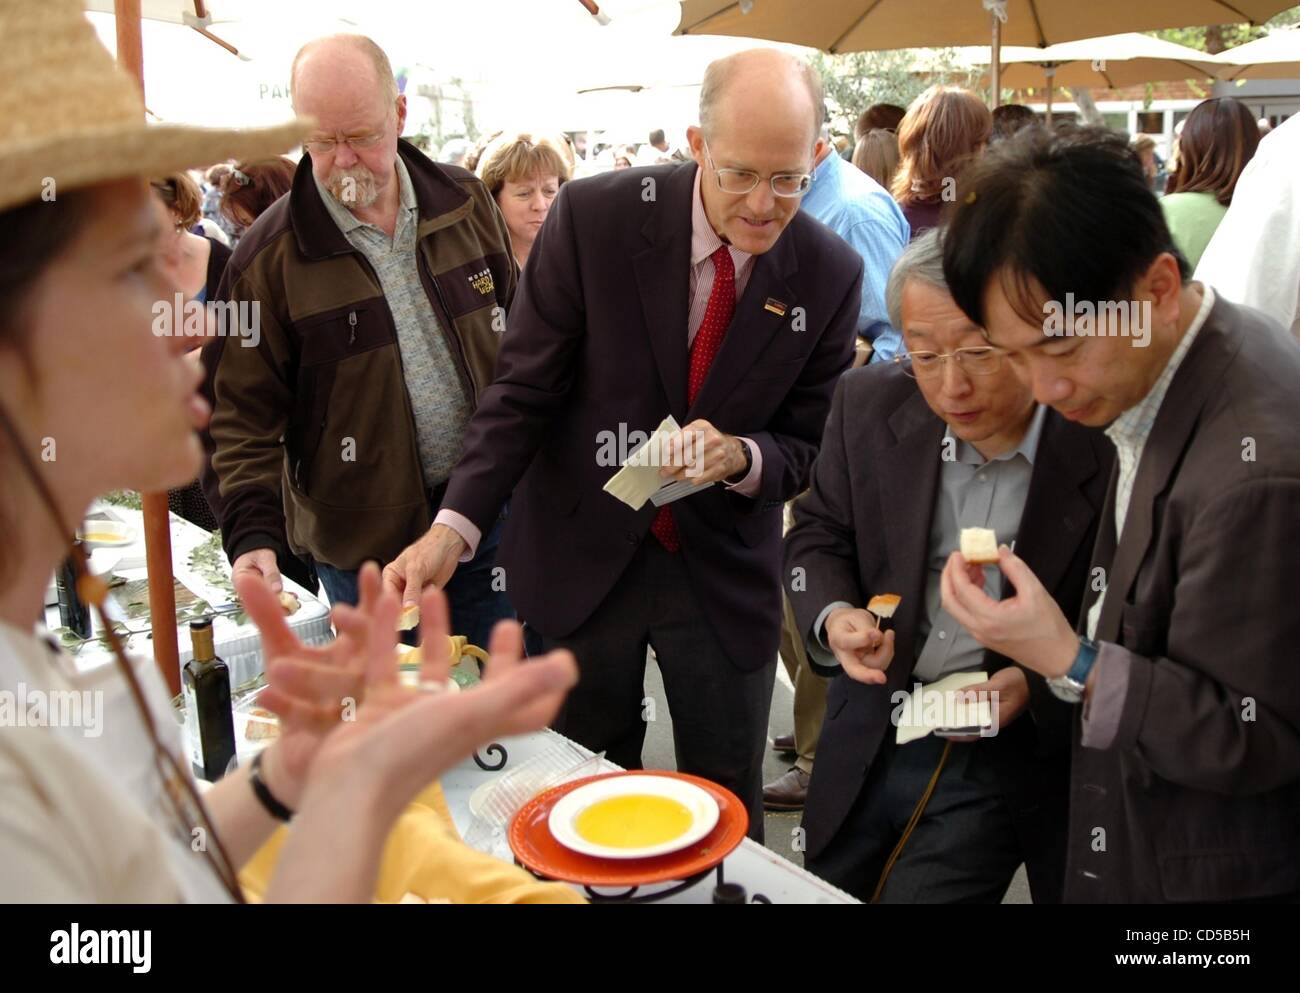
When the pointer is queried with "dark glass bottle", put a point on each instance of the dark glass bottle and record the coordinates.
(207, 703)
(73, 613)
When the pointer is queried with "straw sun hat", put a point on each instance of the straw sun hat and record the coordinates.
(69, 115)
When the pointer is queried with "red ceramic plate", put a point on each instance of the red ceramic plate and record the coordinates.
(537, 850)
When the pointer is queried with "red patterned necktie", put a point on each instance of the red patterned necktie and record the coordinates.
(704, 349)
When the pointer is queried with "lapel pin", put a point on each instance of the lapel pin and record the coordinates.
(775, 306)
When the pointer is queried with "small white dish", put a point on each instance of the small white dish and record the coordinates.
(106, 534)
(564, 815)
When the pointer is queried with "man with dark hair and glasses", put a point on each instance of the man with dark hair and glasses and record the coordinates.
(1185, 773)
(698, 290)
(944, 438)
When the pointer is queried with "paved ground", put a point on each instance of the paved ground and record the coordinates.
(658, 754)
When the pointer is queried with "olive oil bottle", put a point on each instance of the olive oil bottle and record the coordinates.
(211, 735)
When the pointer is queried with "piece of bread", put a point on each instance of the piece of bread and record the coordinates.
(261, 730)
(289, 603)
(979, 546)
(409, 617)
(884, 604)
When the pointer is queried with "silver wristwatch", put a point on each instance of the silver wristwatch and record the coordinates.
(1070, 686)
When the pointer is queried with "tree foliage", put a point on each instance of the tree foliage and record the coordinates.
(1218, 37)
(856, 80)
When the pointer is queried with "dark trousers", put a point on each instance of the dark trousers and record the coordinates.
(963, 850)
(475, 595)
(719, 712)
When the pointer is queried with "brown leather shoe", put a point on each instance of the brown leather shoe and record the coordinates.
(789, 792)
(783, 743)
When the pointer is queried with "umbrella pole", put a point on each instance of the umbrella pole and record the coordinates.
(130, 42)
(997, 63)
(157, 530)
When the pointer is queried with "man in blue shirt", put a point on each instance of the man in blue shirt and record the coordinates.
(862, 212)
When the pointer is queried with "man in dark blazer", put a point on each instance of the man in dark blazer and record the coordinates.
(913, 452)
(1185, 782)
(635, 276)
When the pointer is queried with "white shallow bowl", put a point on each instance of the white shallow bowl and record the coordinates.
(564, 815)
(108, 534)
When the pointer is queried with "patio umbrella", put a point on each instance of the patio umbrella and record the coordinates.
(1111, 61)
(875, 25)
(1275, 56)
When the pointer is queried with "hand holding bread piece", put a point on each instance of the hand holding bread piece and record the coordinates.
(979, 546)
(883, 605)
(409, 618)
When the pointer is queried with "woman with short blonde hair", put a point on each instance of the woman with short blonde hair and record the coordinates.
(944, 128)
(524, 172)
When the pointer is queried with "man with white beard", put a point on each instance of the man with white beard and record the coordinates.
(383, 280)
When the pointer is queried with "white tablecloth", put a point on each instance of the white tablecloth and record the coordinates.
(754, 867)
(238, 645)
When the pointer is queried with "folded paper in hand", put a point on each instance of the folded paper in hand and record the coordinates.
(639, 479)
(938, 707)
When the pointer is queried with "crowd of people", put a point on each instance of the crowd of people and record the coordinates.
(861, 356)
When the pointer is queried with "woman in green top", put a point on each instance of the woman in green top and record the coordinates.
(1219, 137)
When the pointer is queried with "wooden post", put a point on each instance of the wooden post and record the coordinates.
(162, 590)
(996, 56)
(130, 42)
(157, 524)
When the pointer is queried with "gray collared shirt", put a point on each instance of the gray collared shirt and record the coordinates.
(972, 493)
(439, 401)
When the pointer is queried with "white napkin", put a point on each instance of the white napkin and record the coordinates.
(639, 479)
(937, 707)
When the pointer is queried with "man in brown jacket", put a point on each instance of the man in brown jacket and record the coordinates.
(381, 283)
(1185, 780)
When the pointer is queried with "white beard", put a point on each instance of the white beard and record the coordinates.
(353, 187)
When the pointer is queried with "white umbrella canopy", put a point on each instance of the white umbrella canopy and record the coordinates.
(1275, 56)
(523, 60)
(1111, 62)
(875, 25)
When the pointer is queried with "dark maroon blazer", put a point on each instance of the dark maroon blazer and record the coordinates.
(864, 528)
(595, 340)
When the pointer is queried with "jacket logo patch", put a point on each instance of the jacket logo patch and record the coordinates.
(483, 282)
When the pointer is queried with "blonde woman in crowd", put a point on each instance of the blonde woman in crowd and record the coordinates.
(524, 172)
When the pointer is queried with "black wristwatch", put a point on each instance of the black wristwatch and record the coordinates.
(749, 464)
(264, 795)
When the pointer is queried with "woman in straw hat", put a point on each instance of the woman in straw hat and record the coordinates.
(91, 400)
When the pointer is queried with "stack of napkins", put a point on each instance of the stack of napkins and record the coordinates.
(938, 707)
(639, 479)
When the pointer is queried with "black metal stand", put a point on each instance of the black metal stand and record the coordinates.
(632, 894)
(494, 765)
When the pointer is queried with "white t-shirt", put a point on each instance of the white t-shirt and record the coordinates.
(83, 813)
(1254, 256)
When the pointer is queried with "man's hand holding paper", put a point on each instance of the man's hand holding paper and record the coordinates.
(699, 453)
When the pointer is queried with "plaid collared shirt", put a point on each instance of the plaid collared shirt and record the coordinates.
(1130, 431)
(440, 405)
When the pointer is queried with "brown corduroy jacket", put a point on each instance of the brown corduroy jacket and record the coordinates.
(1196, 795)
(312, 442)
